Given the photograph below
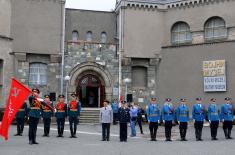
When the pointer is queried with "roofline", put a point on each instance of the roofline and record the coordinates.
(74, 9)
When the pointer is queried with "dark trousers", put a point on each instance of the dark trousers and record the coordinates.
(153, 126)
(20, 125)
(227, 126)
(33, 123)
(123, 131)
(168, 127)
(47, 125)
(139, 121)
(105, 131)
(183, 129)
(214, 127)
(115, 117)
(73, 122)
(198, 125)
(60, 126)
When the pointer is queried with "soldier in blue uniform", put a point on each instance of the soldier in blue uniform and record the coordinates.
(124, 118)
(153, 115)
(74, 114)
(182, 114)
(198, 113)
(168, 117)
(115, 107)
(46, 115)
(61, 114)
(34, 114)
(20, 118)
(227, 117)
(213, 117)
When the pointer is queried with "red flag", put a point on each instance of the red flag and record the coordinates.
(18, 94)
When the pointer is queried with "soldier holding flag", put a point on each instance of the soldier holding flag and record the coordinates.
(34, 114)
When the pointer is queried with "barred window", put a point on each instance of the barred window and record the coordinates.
(75, 35)
(180, 33)
(89, 36)
(103, 37)
(38, 74)
(215, 28)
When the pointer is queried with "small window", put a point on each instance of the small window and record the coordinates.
(38, 74)
(180, 33)
(89, 36)
(75, 35)
(215, 28)
(103, 37)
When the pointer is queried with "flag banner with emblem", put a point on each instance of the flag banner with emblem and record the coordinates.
(17, 96)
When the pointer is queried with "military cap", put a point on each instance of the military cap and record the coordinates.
(46, 96)
(153, 98)
(36, 90)
(212, 99)
(61, 96)
(198, 99)
(227, 99)
(73, 94)
(182, 99)
(106, 101)
(168, 100)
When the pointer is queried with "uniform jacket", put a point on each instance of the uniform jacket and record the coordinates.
(35, 107)
(124, 115)
(61, 110)
(182, 113)
(46, 111)
(74, 108)
(106, 115)
(22, 113)
(227, 112)
(153, 113)
(213, 112)
(115, 107)
(198, 112)
(168, 112)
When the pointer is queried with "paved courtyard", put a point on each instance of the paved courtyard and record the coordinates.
(88, 143)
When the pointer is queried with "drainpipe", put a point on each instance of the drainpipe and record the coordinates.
(62, 44)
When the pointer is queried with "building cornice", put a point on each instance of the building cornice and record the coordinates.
(164, 5)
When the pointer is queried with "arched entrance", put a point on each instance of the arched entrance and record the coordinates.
(91, 91)
(90, 77)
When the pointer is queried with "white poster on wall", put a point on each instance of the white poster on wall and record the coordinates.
(214, 74)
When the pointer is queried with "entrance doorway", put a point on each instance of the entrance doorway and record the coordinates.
(91, 91)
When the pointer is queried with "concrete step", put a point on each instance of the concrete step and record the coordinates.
(89, 115)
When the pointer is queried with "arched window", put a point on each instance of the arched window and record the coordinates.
(75, 35)
(180, 33)
(103, 37)
(89, 36)
(215, 28)
(37, 74)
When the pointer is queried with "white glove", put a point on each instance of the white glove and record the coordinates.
(40, 99)
(178, 122)
(164, 121)
(193, 120)
(158, 121)
(222, 120)
(210, 121)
